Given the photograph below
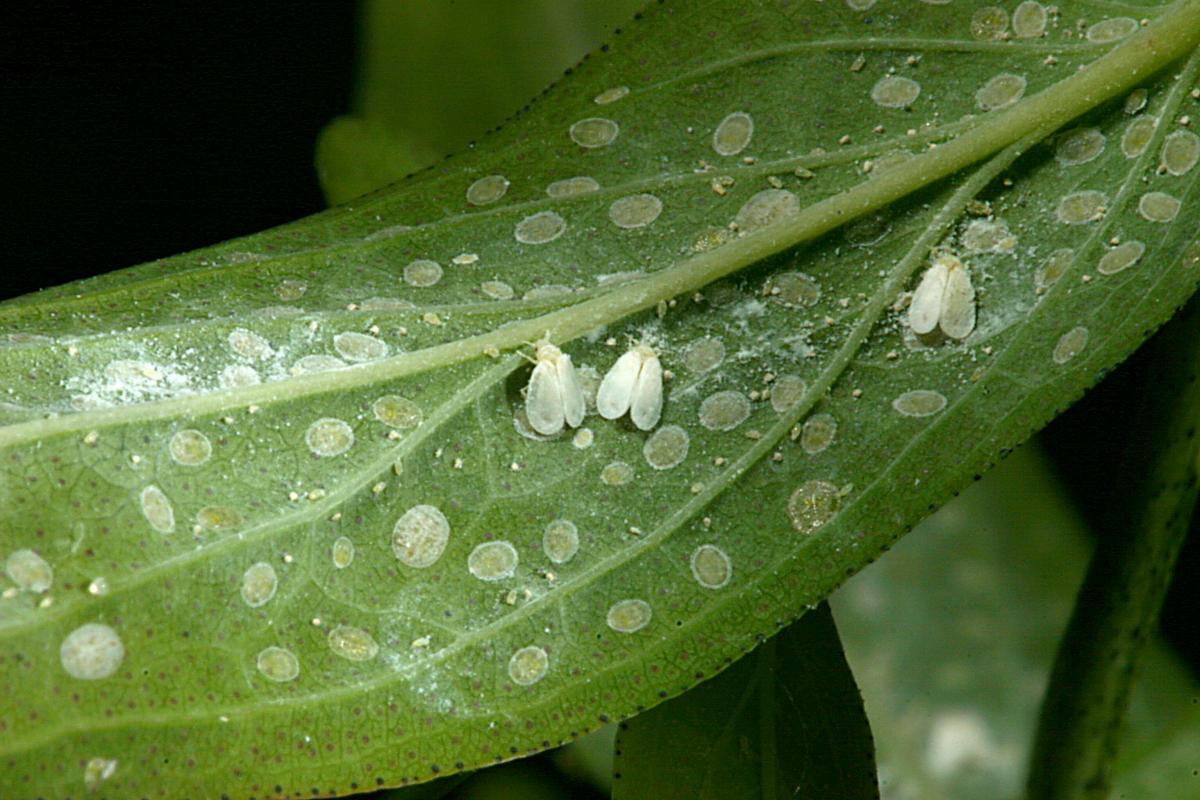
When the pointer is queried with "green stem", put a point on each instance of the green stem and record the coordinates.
(1083, 714)
(1168, 38)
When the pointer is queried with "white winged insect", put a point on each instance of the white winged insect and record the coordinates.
(634, 384)
(944, 299)
(553, 396)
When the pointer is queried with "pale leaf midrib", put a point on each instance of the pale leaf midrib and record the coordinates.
(1123, 66)
(34, 305)
(842, 359)
(774, 429)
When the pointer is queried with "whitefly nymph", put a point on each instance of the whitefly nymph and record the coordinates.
(944, 299)
(634, 384)
(554, 396)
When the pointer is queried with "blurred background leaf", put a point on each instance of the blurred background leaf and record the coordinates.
(434, 75)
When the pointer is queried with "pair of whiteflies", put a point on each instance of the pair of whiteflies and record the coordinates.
(554, 397)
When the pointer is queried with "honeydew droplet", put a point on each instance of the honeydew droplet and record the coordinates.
(237, 376)
(419, 537)
(818, 433)
(1079, 208)
(988, 236)
(329, 437)
(189, 448)
(893, 91)
(787, 391)
(560, 541)
(352, 644)
(793, 289)
(277, 664)
(813, 504)
(342, 552)
(1111, 30)
(1053, 268)
(594, 132)
(29, 571)
(711, 567)
(1121, 257)
(97, 770)
(667, 447)
(617, 473)
(157, 509)
(397, 412)
(704, 355)
(218, 518)
(629, 616)
(497, 290)
(540, 228)
(422, 273)
(259, 583)
(733, 134)
(487, 189)
(1137, 136)
(528, 665)
(359, 347)
(289, 290)
(1079, 146)
(1181, 151)
(1159, 207)
(493, 561)
(610, 95)
(1029, 20)
(249, 344)
(919, 403)
(990, 22)
(724, 411)
(635, 211)
(1070, 344)
(765, 208)
(91, 652)
(1001, 91)
(316, 363)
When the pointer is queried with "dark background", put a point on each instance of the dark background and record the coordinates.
(138, 130)
(148, 129)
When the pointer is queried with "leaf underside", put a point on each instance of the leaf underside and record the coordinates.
(161, 431)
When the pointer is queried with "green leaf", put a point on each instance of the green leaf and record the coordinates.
(784, 722)
(172, 437)
(404, 121)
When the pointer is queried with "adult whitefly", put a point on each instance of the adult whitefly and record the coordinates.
(957, 318)
(554, 396)
(926, 304)
(945, 299)
(633, 385)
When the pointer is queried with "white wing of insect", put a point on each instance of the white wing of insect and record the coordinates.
(554, 396)
(634, 384)
(945, 298)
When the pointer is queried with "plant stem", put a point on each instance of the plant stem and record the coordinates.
(1084, 710)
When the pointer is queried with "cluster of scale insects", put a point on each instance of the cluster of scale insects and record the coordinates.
(554, 397)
